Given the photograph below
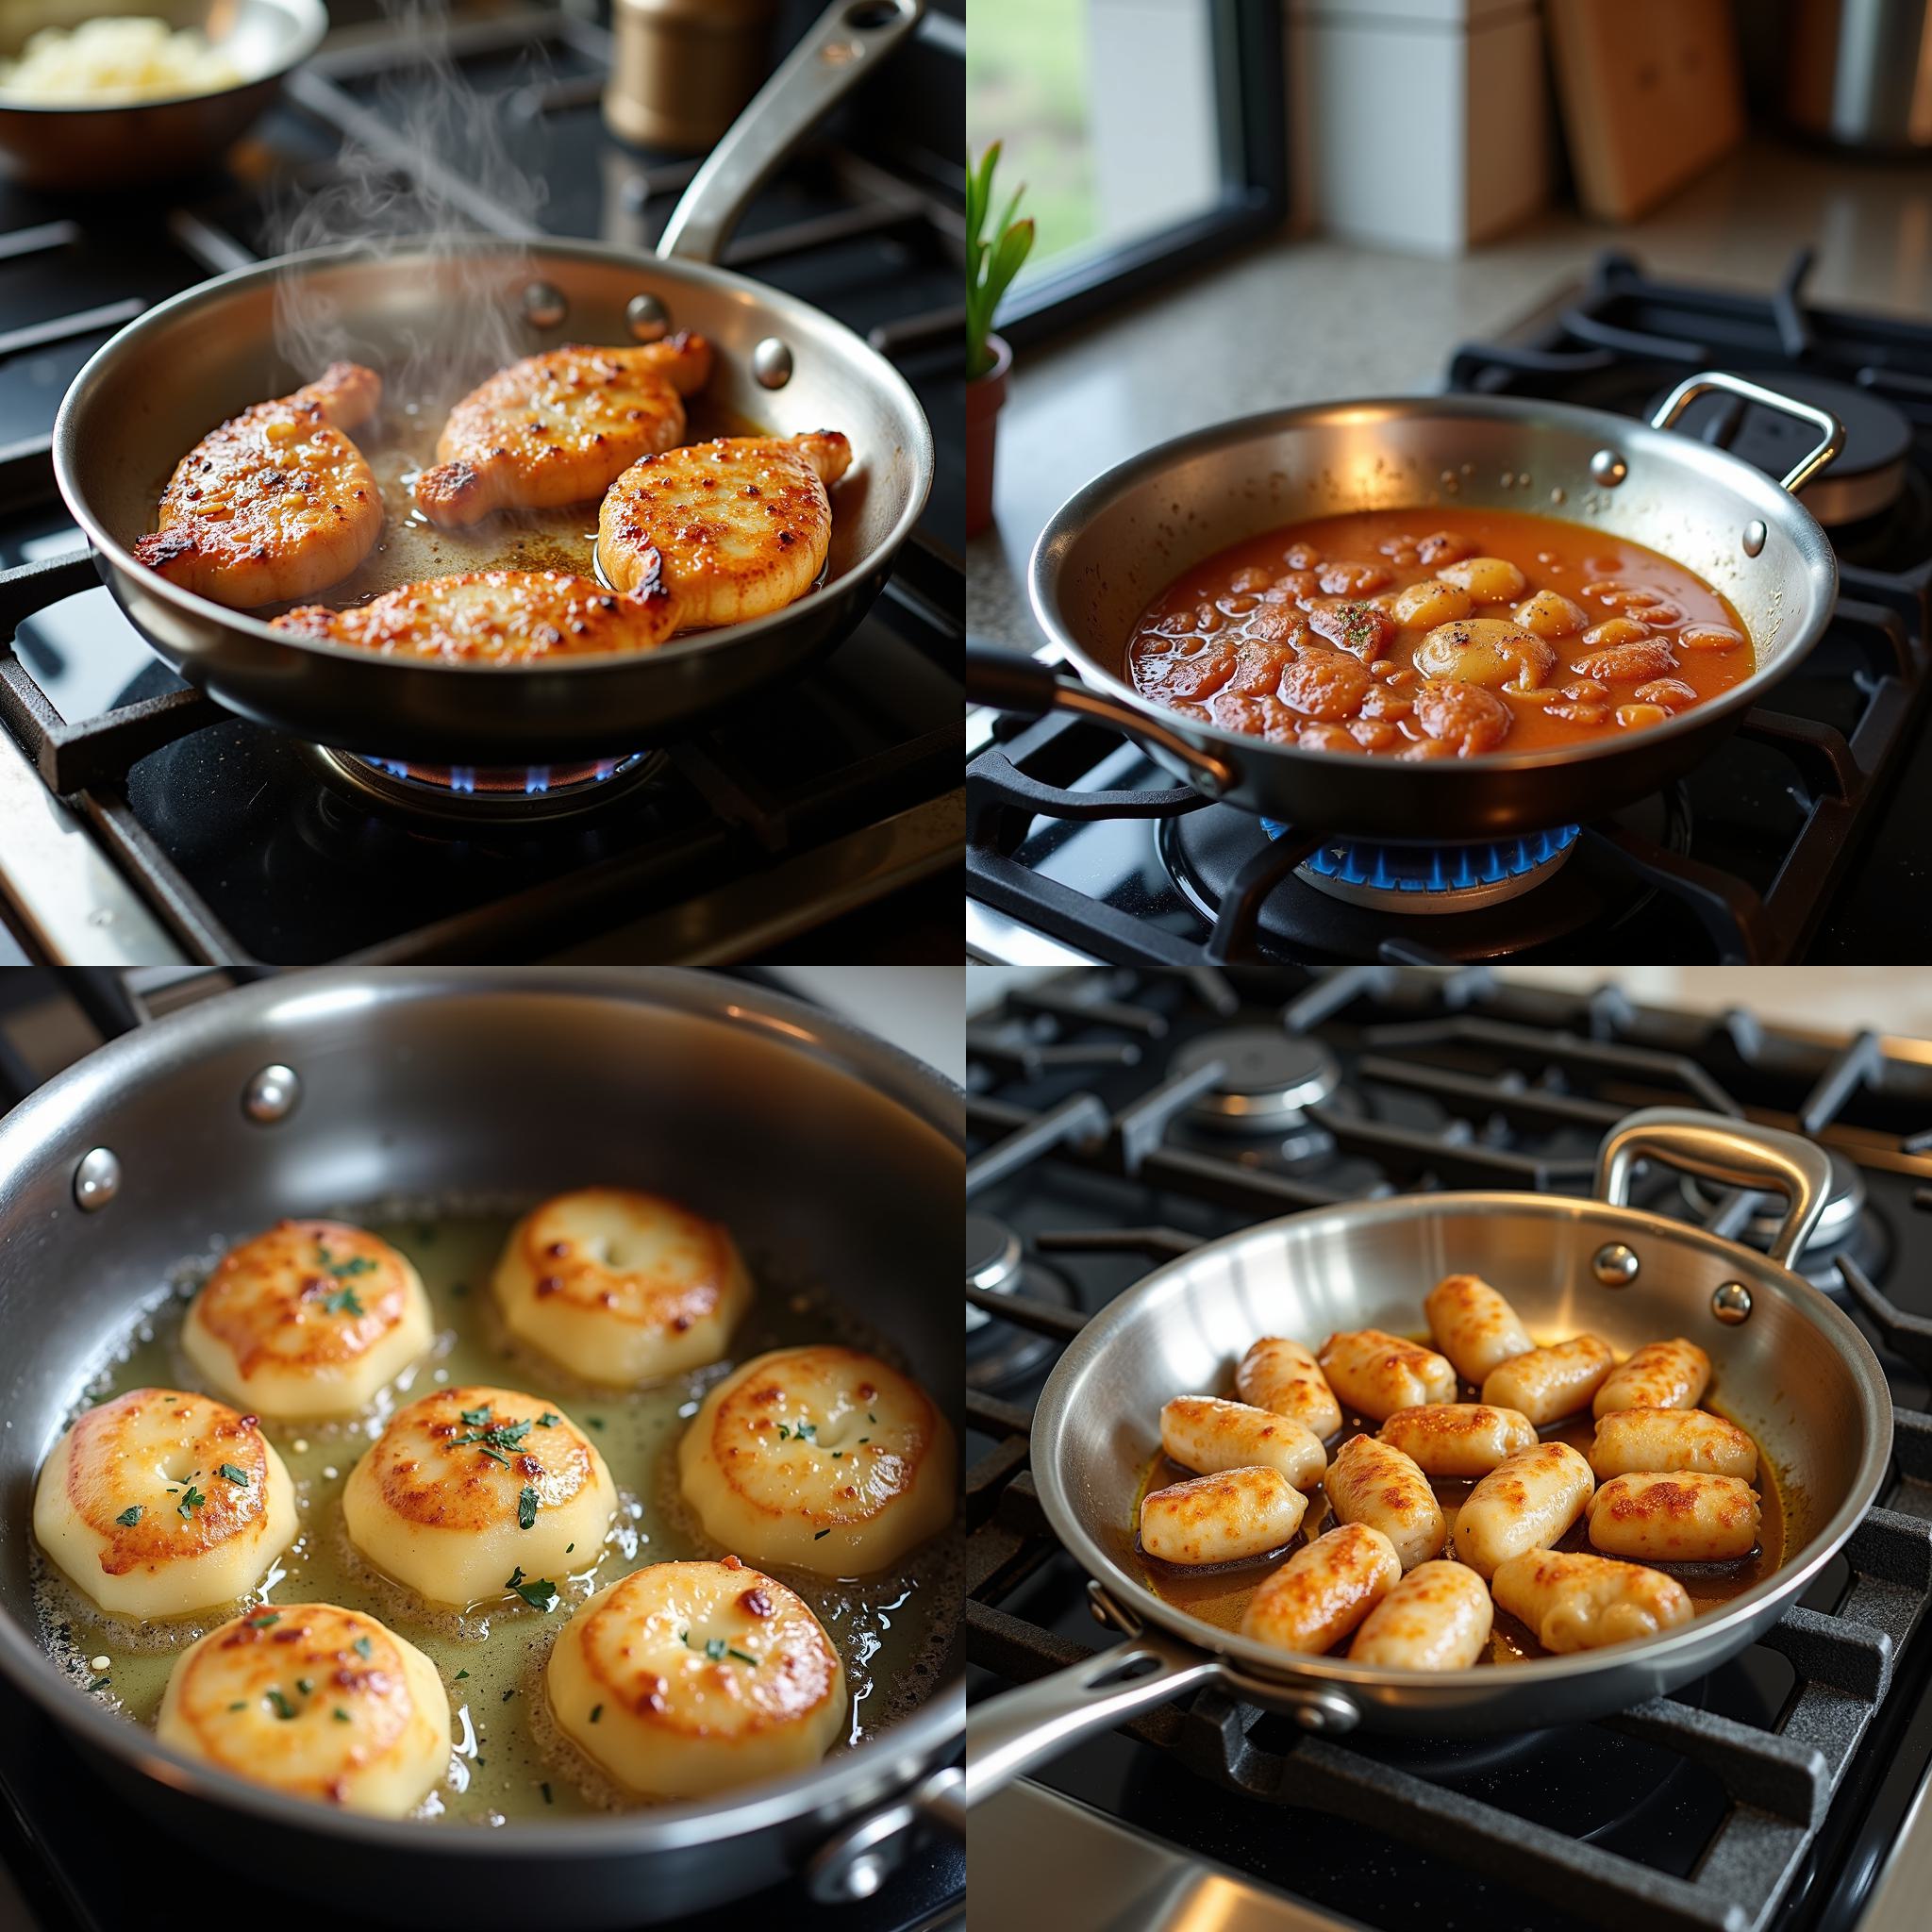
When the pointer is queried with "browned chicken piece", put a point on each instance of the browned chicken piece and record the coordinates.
(495, 617)
(560, 427)
(732, 529)
(278, 502)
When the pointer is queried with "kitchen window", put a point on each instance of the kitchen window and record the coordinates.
(1148, 134)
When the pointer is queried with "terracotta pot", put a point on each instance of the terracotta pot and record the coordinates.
(985, 397)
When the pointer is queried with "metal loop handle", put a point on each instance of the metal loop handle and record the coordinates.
(1726, 1151)
(865, 1854)
(837, 51)
(1829, 428)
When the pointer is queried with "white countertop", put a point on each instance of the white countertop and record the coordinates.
(1308, 320)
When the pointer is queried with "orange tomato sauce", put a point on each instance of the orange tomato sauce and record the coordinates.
(1437, 634)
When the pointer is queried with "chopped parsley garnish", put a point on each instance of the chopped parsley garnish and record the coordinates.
(98, 1684)
(228, 1473)
(507, 1695)
(494, 1438)
(129, 1516)
(462, 1674)
(539, 1592)
(568, 1548)
(240, 1704)
(865, 1438)
(476, 1418)
(364, 1647)
(819, 1535)
(596, 1421)
(805, 1432)
(303, 1684)
(545, 1790)
(341, 1715)
(527, 1510)
(596, 1711)
(343, 1301)
(284, 1709)
(260, 1619)
(548, 1419)
(356, 1264)
(190, 1502)
(715, 1649)
(870, 1417)
(743, 1657)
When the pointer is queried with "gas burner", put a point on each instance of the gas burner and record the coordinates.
(1862, 481)
(1433, 878)
(1272, 1075)
(1764, 1213)
(999, 1353)
(492, 793)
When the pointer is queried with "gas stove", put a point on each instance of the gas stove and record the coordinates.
(1123, 1117)
(139, 823)
(1781, 846)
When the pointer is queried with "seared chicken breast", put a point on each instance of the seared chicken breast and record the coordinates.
(494, 617)
(731, 529)
(560, 427)
(276, 502)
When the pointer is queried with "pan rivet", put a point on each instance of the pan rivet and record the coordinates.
(1755, 534)
(771, 363)
(647, 318)
(544, 304)
(1615, 1265)
(271, 1095)
(1731, 1304)
(1608, 468)
(97, 1179)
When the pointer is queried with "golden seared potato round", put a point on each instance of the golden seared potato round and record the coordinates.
(319, 1702)
(468, 1487)
(1485, 650)
(820, 1458)
(688, 1678)
(160, 1503)
(620, 1287)
(308, 1320)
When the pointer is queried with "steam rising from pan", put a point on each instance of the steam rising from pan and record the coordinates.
(431, 163)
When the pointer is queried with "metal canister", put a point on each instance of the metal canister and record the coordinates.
(1860, 73)
(681, 70)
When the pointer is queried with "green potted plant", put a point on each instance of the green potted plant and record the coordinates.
(993, 258)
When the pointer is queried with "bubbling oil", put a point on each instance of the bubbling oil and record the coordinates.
(509, 1759)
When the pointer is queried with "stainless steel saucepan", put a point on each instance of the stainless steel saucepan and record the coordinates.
(1788, 1365)
(1113, 547)
(169, 378)
(342, 1087)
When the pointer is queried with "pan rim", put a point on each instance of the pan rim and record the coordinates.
(1251, 1659)
(826, 1791)
(783, 307)
(1782, 509)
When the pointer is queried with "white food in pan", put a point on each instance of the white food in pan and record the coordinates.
(1376, 1373)
(1283, 1375)
(1572, 1602)
(1437, 1618)
(1547, 1384)
(1637, 1441)
(1680, 1517)
(1661, 1374)
(1524, 1503)
(1474, 1326)
(1458, 1439)
(1208, 1434)
(319, 1702)
(1370, 1482)
(160, 1503)
(1220, 1518)
(1323, 1590)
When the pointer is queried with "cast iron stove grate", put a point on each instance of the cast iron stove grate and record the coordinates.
(1460, 1081)
(1755, 857)
(144, 823)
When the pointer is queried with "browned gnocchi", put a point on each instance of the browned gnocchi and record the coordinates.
(1458, 1439)
(1682, 1517)
(1437, 1618)
(1638, 1442)
(1572, 1602)
(1376, 1372)
(1370, 1482)
(1661, 1374)
(1323, 1590)
(1474, 1326)
(1547, 1384)
(1283, 1375)
(1526, 1503)
(1221, 1519)
(1208, 1434)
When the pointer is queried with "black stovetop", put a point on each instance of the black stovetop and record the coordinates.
(1800, 838)
(241, 850)
(1451, 1080)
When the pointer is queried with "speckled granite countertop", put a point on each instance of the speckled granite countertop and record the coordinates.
(1297, 322)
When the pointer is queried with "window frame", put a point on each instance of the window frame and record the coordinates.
(1250, 108)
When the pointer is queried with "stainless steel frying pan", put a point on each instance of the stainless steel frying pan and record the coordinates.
(1110, 549)
(1789, 1366)
(167, 378)
(815, 1141)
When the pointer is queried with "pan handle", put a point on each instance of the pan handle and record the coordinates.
(1011, 1733)
(1011, 681)
(1726, 1151)
(846, 43)
(1829, 428)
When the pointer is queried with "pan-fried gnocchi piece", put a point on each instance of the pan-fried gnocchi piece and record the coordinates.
(1221, 1519)
(684, 1679)
(159, 1503)
(1488, 579)
(308, 1320)
(1524, 1504)
(1437, 1618)
(1678, 1518)
(466, 1485)
(321, 1702)
(1370, 1482)
(1208, 1434)
(1639, 1441)
(1661, 1374)
(1283, 1375)
(821, 1457)
(1462, 1438)
(1474, 1326)
(622, 1287)
(1376, 1372)
(1572, 1602)
(1323, 1590)
(1547, 1384)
